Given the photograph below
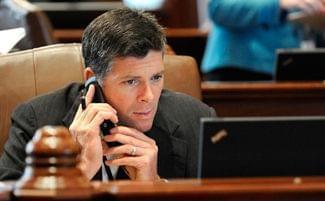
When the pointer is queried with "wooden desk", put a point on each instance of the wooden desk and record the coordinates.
(226, 189)
(265, 98)
(263, 189)
(74, 35)
(68, 35)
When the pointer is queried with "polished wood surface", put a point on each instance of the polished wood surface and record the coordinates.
(240, 189)
(51, 168)
(178, 13)
(68, 35)
(74, 35)
(219, 189)
(265, 98)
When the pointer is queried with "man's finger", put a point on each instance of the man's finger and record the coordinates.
(124, 139)
(132, 133)
(126, 161)
(127, 150)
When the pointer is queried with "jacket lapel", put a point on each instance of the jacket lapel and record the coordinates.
(172, 151)
(68, 118)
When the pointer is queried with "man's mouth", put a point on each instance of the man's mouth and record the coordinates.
(143, 114)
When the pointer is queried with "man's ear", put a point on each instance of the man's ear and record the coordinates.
(88, 72)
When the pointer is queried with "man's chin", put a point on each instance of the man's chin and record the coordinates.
(139, 124)
(143, 126)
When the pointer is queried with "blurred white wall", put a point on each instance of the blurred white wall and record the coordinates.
(144, 4)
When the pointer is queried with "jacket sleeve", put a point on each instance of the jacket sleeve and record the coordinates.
(245, 13)
(12, 161)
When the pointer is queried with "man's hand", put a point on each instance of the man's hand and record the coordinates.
(138, 154)
(85, 129)
(308, 6)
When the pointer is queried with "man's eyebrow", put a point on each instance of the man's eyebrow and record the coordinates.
(160, 72)
(138, 77)
(130, 77)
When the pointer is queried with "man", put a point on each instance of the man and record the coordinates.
(157, 129)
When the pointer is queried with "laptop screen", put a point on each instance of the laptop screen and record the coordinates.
(267, 146)
(297, 64)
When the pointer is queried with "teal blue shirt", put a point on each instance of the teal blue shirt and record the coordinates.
(246, 34)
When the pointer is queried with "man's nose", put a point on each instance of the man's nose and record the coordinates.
(146, 94)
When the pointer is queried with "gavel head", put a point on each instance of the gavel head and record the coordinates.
(51, 166)
(52, 147)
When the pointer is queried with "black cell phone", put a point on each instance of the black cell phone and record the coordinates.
(100, 98)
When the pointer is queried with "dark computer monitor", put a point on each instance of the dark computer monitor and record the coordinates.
(261, 147)
(300, 65)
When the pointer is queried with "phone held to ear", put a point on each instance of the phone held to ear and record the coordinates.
(100, 98)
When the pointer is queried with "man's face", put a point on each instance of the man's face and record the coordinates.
(133, 88)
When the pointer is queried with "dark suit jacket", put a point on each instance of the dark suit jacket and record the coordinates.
(175, 130)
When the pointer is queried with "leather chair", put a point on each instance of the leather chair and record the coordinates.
(28, 73)
(21, 13)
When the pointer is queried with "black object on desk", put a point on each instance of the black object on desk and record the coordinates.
(262, 147)
(300, 65)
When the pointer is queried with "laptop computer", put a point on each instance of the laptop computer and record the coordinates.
(300, 65)
(261, 147)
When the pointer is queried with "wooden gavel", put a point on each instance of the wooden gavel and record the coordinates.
(51, 171)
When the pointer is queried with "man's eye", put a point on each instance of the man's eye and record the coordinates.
(157, 77)
(131, 82)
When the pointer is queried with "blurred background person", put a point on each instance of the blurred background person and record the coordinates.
(245, 35)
